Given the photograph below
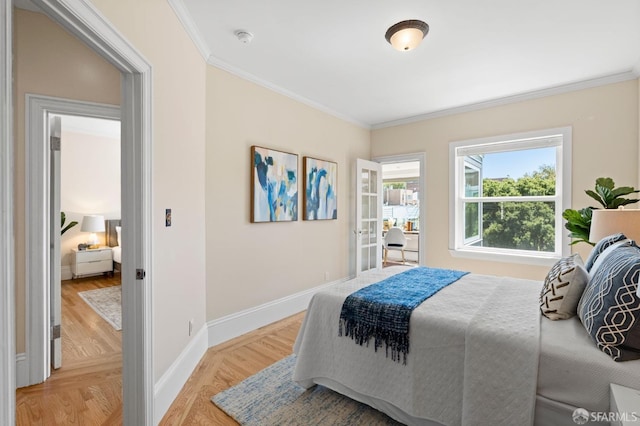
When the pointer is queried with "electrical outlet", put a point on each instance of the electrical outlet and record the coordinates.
(190, 326)
(326, 276)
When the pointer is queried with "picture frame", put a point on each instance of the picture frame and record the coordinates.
(274, 185)
(320, 189)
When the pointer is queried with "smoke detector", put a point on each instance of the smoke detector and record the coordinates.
(244, 36)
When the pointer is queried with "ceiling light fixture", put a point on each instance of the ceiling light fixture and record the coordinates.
(407, 35)
(244, 36)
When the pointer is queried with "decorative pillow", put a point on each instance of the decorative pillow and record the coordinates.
(606, 253)
(610, 307)
(563, 288)
(600, 247)
(118, 230)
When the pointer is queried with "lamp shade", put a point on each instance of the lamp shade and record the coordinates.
(612, 221)
(92, 223)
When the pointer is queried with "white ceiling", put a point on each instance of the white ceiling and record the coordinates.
(333, 54)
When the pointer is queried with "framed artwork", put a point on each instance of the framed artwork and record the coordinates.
(274, 185)
(320, 189)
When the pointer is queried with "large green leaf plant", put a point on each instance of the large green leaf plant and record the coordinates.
(63, 219)
(608, 196)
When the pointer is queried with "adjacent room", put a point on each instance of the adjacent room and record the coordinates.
(419, 213)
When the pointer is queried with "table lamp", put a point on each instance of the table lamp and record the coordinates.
(93, 224)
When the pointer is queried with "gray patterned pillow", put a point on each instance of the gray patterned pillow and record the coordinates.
(610, 307)
(563, 288)
(600, 247)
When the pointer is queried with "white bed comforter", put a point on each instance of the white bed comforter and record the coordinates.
(467, 342)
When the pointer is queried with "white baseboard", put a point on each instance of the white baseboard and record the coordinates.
(167, 388)
(65, 272)
(219, 331)
(239, 323)
(22, 370)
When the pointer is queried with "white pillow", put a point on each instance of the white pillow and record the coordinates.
(563, 288)
(118, 229)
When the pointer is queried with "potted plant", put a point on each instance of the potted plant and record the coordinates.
(63, 219)
(608, 196)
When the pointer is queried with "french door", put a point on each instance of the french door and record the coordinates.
(368, 216)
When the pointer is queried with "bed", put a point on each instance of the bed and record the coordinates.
(112, 232)
(451, 379)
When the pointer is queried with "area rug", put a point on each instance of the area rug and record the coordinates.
(107, 303)
(271, 397)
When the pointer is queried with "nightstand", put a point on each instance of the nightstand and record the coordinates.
(626, 402)
(87, 262)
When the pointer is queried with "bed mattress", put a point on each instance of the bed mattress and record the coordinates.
(117, 254)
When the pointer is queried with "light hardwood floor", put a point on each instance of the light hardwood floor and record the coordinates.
(87, 390)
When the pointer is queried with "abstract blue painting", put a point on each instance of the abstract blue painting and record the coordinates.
(274, 185)
(320, 193)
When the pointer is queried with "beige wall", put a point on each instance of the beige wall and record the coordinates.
(178, 147)
(48, 61)
(89, 184)
(605, 143)
(253, 263)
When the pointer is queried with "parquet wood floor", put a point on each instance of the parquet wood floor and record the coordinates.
(88, 391)
(226, 365)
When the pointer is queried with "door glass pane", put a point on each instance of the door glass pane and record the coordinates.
(373, 232)
(365, 181)
(373, 206)
(365, 207)
(373, 256)
(365, 259)
(373, 181)
(365, 234)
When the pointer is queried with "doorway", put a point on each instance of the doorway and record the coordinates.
(88, 297)
(83, 21)
(403, 205)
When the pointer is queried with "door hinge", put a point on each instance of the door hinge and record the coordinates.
(140, 274)
(56, 332)
(55, 143)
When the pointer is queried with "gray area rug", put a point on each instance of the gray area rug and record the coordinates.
(271, 397)
(107, 302)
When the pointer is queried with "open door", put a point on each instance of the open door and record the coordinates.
(368, 216)
(55, 130)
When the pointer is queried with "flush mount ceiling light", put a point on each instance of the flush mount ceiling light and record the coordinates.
(407, 35)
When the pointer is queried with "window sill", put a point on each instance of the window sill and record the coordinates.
(527, 259)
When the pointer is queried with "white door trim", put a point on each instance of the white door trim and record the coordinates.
(84, 21)
(37, 206)
(7, 300)
(421, 157)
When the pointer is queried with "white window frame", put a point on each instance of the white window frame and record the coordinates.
(559, 137)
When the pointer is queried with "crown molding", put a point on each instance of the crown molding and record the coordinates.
(190, 27)
(218, 63)
(555, 90)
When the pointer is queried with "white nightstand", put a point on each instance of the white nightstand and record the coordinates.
(626, 402)
(96, 261)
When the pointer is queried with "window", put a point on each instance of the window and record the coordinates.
(508, 194)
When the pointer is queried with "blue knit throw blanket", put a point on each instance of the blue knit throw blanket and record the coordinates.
(382, 310)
